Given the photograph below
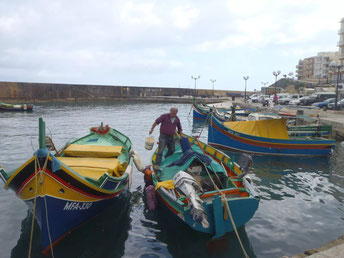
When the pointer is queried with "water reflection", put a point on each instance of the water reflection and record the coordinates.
(95, 238)
(182, 241)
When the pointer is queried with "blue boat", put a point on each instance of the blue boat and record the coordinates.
(268, 137)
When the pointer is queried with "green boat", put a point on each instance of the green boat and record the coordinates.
(203, 187)
(75, 184)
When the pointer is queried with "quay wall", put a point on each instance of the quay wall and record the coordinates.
(24, 91)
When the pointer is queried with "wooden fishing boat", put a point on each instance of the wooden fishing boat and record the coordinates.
(203, 187)
(68, 188)
(265, 137)
(202, 111)
(15, 107)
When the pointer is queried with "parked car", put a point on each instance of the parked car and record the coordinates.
(283, 99)
(255, 98)
(286, 100)
(308, 100)
(340, 104)
(324, 104)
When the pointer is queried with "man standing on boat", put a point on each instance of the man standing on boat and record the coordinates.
(169, 123)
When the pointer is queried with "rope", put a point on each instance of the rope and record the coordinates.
(41, 179)
(224, 201)
(190, 110)
(34, 208)
(206, 120)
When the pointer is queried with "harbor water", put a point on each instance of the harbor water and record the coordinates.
(301, 207)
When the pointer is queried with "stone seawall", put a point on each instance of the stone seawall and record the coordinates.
(23, 91)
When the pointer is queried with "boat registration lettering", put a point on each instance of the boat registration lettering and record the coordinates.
(77, 206)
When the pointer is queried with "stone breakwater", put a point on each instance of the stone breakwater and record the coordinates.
(49, 92)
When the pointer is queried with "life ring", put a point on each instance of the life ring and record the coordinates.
(101, 129)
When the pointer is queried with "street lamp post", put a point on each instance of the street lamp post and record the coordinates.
(245, 78)
(334, 65)
(276, 73)
(213, 81)
(195, 78)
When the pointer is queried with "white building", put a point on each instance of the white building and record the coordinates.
(321, 65)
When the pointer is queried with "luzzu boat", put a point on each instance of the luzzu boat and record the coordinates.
(203, 187)
(15, 107)
(202, 111)
(66, 189)
(265, 137)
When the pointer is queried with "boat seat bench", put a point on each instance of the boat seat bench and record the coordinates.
(93, 167)
(94, 151)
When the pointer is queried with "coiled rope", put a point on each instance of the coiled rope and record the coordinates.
(39, 171)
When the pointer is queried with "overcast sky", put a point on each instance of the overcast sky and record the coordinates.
(163, 43)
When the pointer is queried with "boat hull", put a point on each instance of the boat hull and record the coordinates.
(64, 200)
(199, 115)
(64, 216)
(222, 137)
(242, 211)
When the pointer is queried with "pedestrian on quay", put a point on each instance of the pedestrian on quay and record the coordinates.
(275, 99)
(169, 123)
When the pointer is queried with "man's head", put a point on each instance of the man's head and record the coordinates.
(173, 112)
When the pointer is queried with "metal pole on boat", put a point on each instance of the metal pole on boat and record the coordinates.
(41, 126)
(195, 78)
(213, 85)
(338, 66)
(245, 78)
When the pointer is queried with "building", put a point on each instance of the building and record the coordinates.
(308, 68)
(299, 70)
(322, 66)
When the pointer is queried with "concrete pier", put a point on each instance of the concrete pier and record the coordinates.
(331, 249)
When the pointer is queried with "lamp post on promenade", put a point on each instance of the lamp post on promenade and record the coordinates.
(337, 66)
(213, 81)
(276, 73)
(195, 78)
(245, 78)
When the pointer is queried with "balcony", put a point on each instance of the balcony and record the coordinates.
(341, 31)
(340, 43)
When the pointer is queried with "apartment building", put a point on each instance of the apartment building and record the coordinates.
(308, 68)
(322, 65)
(299, 70)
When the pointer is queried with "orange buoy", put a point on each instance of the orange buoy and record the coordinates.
(148, 176)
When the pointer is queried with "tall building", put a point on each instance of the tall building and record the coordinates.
(308, 68)
(322, 66)
(299, 70)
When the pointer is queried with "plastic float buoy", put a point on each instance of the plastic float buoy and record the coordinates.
(137, 161)
(151, 198)
(148, 176)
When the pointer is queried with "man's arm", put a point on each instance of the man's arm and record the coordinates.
(152, 129)
(180, 130)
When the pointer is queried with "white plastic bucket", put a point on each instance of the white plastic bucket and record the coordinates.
(149, 143)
